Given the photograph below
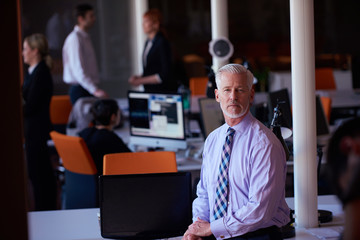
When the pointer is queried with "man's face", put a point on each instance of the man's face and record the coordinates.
(234, 95)
(89, 20)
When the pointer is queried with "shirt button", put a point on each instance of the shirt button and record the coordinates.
(222, 236)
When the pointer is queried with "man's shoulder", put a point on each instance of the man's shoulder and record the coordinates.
(261, 133)
(215, 133)
(73, 36)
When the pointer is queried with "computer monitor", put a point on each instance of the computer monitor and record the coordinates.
(211, 115)
(281, 97)
(322, 125)
(145, 206)
(157, 120)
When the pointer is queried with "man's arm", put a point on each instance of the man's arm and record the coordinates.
(201, 210)
(201, 207)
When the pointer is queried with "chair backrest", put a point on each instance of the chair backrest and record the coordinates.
(198, 85)
(326, 104)
(74, 153)
(60, 108)
(139, 162)
(324, 78)
(81, 116)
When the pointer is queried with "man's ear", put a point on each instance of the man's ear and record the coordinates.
(252, 95)
(217, 94)
(79, 19)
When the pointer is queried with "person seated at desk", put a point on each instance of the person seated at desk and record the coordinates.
(247, 199)
(343, 158)
(100, 139)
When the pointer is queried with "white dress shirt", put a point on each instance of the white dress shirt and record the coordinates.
(79, 60)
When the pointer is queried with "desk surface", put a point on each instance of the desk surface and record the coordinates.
(84, 224)
(282, 79)
(346, 98)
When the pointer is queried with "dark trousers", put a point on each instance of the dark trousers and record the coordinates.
(76, 92)
(41, 174)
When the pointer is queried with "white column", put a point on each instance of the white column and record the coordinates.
(304, 115)
(219, 26)
(139, 7)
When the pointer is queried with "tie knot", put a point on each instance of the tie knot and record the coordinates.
(230, 132)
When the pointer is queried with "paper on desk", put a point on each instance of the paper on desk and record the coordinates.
(326, 233)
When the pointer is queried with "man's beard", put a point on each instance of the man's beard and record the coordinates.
(230, 115)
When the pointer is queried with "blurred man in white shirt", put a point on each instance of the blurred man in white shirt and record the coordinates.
(79, 60)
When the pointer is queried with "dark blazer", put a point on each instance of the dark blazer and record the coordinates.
(159, 61)
(37, 93)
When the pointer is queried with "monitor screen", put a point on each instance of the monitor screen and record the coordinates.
(211, 115)
(322, 126)
(157, 120)
(145, 206)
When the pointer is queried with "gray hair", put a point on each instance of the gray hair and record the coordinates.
(234, 68)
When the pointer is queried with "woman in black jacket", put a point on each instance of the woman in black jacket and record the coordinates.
(37, 93)
(157, 59)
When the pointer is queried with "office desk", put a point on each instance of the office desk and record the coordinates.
(342, 99)
(83, 223)
(282, 79)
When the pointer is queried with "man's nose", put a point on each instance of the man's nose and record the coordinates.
(233, 95)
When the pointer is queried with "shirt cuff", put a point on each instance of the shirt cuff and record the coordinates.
(218, 229)
(91, 88)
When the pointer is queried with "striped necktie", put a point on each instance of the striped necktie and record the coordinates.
(223, 180)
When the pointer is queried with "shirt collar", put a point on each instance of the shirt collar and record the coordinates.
(82, 32)
(243, 125)
(31, 69)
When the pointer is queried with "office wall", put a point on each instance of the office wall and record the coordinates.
(110, 36)
(188, 26)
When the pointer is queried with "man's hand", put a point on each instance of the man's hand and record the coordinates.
(100, 93)
(134, 81)
(198, 229)
(188, 236)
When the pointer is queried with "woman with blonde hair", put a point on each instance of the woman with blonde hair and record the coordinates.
(37, 91)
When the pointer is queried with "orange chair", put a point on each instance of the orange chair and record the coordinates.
(324, 78)
(139, 162)
(326, 104)
(60, 108)
(80, 171)
(198, 85)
